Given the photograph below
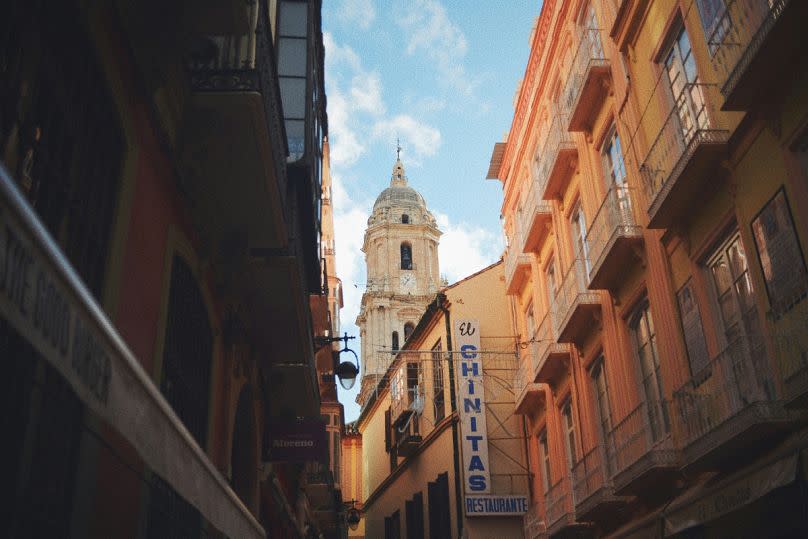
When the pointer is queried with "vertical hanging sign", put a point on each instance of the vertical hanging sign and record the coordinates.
(471, 399)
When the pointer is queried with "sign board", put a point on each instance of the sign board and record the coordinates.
(495, 505)
(303, 440)
(471, 404)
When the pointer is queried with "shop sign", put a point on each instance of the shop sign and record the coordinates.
(471, 398)
(480, 506)
(303, 440)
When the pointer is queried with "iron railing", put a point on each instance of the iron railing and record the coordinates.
(791, 350)
(513, 259)
(735, 380)
(524, 375)
(556, 140)
(736, 35)
(573, 292)
(641, 431)
(591, 473)
(533, 205)
(558, 501)
(544, 341)
(691, 122)
(588, 55)
(533, 523)
(614, 220)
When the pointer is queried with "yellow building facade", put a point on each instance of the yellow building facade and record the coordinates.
(416, 449)
(655, 206)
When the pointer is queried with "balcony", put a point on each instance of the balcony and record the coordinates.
(642, 453)
(319, 485)
(536, 218)
(408, 437)
(528, 395)
(559, 507)
(575, 305)
(684, 151)
(550, 355)
(588, 80)
(729, 407)
(533, 523)
(613, 238)
(791, 353)
(517, 267)
(594, 493)
(558, 158)
(752, 42)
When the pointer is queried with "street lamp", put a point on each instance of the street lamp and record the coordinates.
(352, 516)
(345, 371)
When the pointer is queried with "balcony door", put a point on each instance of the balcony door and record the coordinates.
(578, 222)
(644, 340)
(685, 88)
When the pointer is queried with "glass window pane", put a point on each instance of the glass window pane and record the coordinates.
(292, 57)
(293, 19)
(737, 258)
(721, 276)
(293, 97)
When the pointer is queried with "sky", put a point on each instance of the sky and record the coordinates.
(441, 76)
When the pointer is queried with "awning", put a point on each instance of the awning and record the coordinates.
(43, 299)
(707, 502)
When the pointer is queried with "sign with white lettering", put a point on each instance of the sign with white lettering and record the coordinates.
(299, 440)
(471, 399)
(481, 506)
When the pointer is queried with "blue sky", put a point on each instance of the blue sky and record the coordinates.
(441, 76)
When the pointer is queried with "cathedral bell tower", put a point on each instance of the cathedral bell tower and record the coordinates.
(401, 258)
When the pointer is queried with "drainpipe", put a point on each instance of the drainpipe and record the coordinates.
(453, 406)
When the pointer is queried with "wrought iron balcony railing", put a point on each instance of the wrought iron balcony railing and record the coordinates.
(533, 523)
(689, 125)
(558, 504)
(791, 350)
(524, 375)
(736, 35)
(556, 145)
(591, 474)
(641, 442)
(613, 223)
(572, 293)
(515, 261)
(733, 393)
(581, 86)
(534, 211)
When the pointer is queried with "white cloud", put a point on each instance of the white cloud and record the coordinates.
(429, 30)
(422, 138)
(346, 149)
(360, 13)
(465, 248)
(366, 91)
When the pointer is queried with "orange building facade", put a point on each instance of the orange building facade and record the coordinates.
(655, 182)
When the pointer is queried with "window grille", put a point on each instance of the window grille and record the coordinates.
(60, 127)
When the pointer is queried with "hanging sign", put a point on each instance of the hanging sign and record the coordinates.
(483, 506)
(471, 401)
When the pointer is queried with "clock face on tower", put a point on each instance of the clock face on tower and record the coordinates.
(407, 282)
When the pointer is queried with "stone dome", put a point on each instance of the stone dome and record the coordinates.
(400, 198)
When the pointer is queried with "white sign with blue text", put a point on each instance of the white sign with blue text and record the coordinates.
(471, 398)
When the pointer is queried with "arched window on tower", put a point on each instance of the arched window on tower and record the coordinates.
(395, 340)
(406, 256)
(408, 327)
(405, 219)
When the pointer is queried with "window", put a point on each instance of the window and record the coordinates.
(569, 432)
(414, 510)
(187, 353)
(714, 20)
(733, 287)
(292, 45)
(578, 222)
(438, 398)
(395, 340)
(601, 389)
(686, 91)
(692, 328)
(530, 322)
(644, 340)
(779, 254)
(408, 329)
(392, 526)
(406, 256)
(405, 219)
(438, 500)
(544, 456)
(613, 160)
(552, 284)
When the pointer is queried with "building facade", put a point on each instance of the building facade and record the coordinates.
(426, 426)
(401, 259)
(160, 179)
(654, 182)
